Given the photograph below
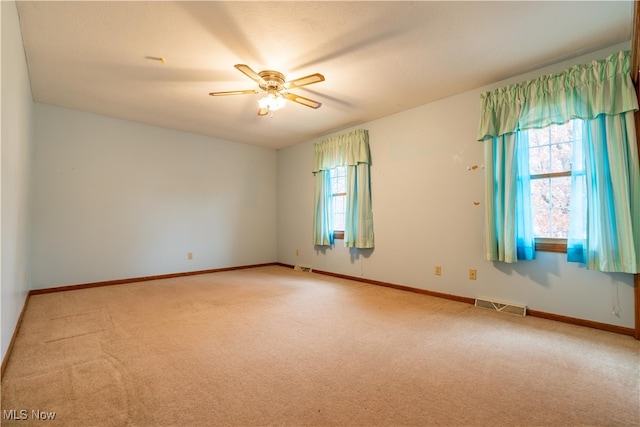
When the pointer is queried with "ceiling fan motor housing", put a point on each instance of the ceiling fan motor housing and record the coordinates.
(272, 80)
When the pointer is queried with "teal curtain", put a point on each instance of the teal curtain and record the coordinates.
(350, 150)
(509, 236)
(610, 238)
(525, 239)
(577, 236)
(358, 231)
(605, 222)
(323, 221)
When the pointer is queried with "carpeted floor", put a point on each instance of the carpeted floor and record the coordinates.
(273, 346)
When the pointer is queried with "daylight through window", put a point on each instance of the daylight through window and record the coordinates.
(550, 156)
(339, 196)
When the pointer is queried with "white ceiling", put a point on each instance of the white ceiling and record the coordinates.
(378, 58)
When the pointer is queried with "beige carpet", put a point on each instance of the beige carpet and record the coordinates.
(272, 346)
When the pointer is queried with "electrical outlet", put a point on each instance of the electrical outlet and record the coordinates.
(472, 274)
(189, 255)
(438, 270)
(297, 252)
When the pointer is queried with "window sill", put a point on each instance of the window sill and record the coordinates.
(338, 235)
(551, 245)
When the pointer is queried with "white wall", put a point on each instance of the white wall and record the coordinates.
(424, 215)
(15, 170)
(116, 199)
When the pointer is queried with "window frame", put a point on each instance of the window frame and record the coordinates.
(551, 244)
(338, 234)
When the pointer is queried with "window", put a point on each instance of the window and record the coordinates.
(550, 156)
(342, 197)
(604, 204)
(339, 198)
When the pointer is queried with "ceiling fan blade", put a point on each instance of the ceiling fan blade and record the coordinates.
(263, 111)
(303, 81)
(248, 71)
(234, 92)
(302, 100)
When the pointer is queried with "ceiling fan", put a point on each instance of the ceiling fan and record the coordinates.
(276, 87)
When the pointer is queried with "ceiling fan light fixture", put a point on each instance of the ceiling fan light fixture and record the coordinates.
(272, 102)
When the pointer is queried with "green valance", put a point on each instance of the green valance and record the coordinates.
(582, 91)
(348, 149)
